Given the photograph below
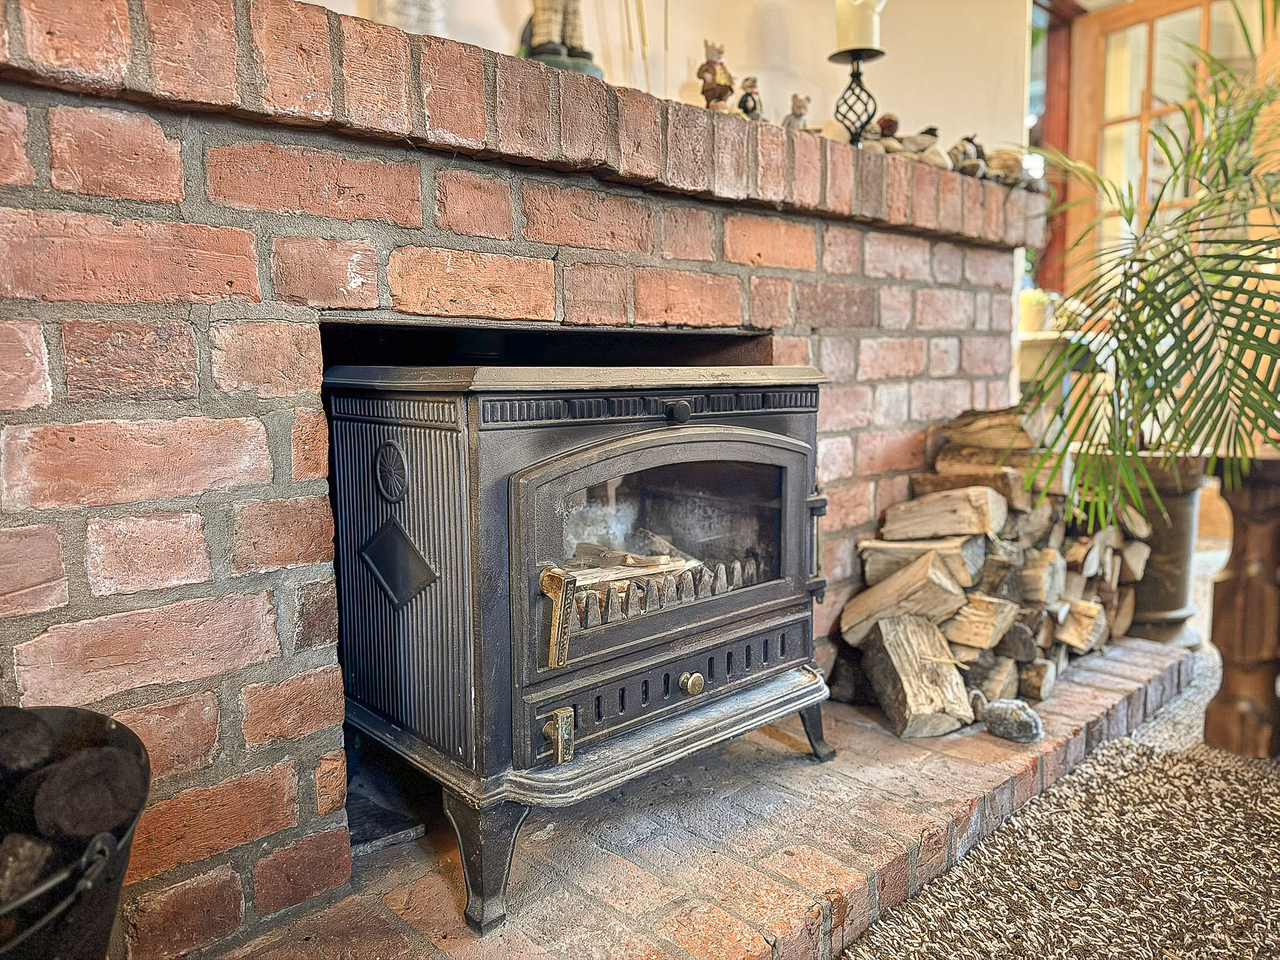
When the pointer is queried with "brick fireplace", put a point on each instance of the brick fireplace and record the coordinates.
(190, 193)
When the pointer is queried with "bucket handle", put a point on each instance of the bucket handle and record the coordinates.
(90, 867)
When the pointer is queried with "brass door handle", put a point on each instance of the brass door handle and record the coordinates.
(559, 587)
(559, 733)
(692, 683)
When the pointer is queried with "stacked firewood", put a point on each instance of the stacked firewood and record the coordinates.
(982, 582)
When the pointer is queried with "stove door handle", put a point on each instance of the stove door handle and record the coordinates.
(559, 587)
(817, 505)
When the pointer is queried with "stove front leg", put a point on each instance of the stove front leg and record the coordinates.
(811, 717)
(487, 839)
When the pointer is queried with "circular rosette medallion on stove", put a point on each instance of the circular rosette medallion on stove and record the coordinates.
(390, 472)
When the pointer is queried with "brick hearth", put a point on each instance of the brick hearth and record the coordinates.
(749, 852)
(190, 190)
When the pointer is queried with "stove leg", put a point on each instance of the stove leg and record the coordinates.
(487, 839)
(811, 717)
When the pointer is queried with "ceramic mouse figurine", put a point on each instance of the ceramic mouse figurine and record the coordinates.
(799, 107)
(717, 81)
(749, 103)
(1007, 719)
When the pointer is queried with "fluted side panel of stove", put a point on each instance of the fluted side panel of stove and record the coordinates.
(413, 665)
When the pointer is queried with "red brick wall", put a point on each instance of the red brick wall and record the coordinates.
(165, 541)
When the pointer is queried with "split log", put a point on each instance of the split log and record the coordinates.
(1002, 571)
(1034, 525)
(1134, 523)
(1074, 586)
(1133, 561)
(1018, 643)
(923, 588)
(1058, 611)
(1006, 481)
(946, 513)
(918, 686)
(1084, 556)
(1010, 428)
(954, 458)
(981, 622)
(1109, 537)
(1036, 679)
(1085, 627)
(1044, 574)
(1061, 658)
(1002, 682)
(1121, 618)
(1045, 631)
(972, 658)
(1057, 536)
(963, 557)
(1112, 567)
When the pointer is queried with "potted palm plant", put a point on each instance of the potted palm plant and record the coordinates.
(1181, 310)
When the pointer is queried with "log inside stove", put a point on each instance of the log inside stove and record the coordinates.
(617, 585)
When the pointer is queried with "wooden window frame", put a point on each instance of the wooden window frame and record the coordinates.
(1088, 74)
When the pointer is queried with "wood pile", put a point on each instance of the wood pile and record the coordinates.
(982, 582)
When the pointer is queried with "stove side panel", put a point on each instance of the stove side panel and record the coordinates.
(412, 663)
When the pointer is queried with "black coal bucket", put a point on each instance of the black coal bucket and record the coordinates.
(69, 915)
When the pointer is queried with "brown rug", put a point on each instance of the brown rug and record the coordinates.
(1155, 847)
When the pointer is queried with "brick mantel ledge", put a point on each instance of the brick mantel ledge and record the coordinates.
(291, 63)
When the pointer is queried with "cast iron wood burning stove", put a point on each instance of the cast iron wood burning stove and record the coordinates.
(553, 580)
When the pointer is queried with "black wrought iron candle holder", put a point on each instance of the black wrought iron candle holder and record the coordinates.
(856, 106)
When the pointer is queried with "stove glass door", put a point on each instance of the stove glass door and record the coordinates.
(655, 538)
(710, 524)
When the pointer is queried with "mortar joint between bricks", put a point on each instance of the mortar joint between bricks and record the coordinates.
(338, 83)
(490, 101)
(249, 80)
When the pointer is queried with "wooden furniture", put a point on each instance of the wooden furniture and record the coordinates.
(1244, 717)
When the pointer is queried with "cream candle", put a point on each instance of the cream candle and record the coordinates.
(858, 29)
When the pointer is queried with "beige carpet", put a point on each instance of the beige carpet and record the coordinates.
(1155, 847)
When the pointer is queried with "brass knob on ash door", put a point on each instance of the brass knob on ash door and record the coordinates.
(692, 683)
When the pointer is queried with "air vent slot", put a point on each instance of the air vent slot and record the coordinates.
(632, 699)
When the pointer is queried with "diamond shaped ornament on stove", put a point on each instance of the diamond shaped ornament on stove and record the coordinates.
(396, 564)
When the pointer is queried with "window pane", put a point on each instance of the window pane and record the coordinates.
(1126, 72)
(1114, 237)
(1172, 130)
(1226, 40)
(1121, 160)
(1173, 52)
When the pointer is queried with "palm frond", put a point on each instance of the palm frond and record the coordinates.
(1185, 310)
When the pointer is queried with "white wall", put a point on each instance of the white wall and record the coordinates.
(958, 64)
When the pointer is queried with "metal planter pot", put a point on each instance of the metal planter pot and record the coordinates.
(1163, 602)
